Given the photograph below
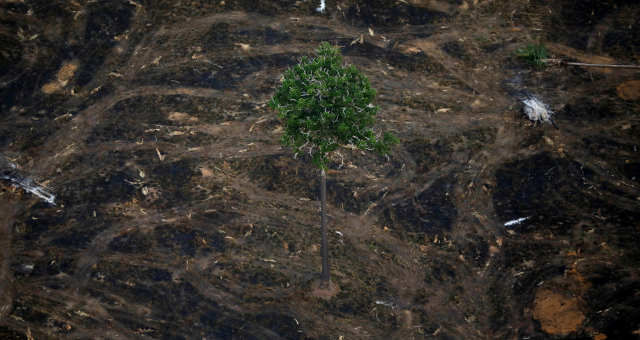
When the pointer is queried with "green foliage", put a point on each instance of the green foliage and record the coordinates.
(534, 54)
(324, 104)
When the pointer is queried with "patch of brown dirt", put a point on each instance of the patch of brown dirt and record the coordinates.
(629, 90)
(599, 336)
(182, 117)
(66, 72)
(324, 291)
(557, 313)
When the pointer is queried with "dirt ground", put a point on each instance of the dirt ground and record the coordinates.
(178, 215)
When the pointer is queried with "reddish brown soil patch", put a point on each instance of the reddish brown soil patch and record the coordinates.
(65, 74)
(558, 314)
(629, 90)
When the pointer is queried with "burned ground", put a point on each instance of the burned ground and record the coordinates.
(178, 214)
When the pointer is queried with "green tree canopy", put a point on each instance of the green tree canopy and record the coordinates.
(324, 104)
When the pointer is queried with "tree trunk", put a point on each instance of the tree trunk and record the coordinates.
(325, 252)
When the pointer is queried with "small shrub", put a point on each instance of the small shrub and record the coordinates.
(534, 54)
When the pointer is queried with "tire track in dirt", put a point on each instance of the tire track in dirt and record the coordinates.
(78, 298)
(70, 139)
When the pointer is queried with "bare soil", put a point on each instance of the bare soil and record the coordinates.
(179, 216)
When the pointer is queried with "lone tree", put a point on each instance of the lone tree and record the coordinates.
(323, 105)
